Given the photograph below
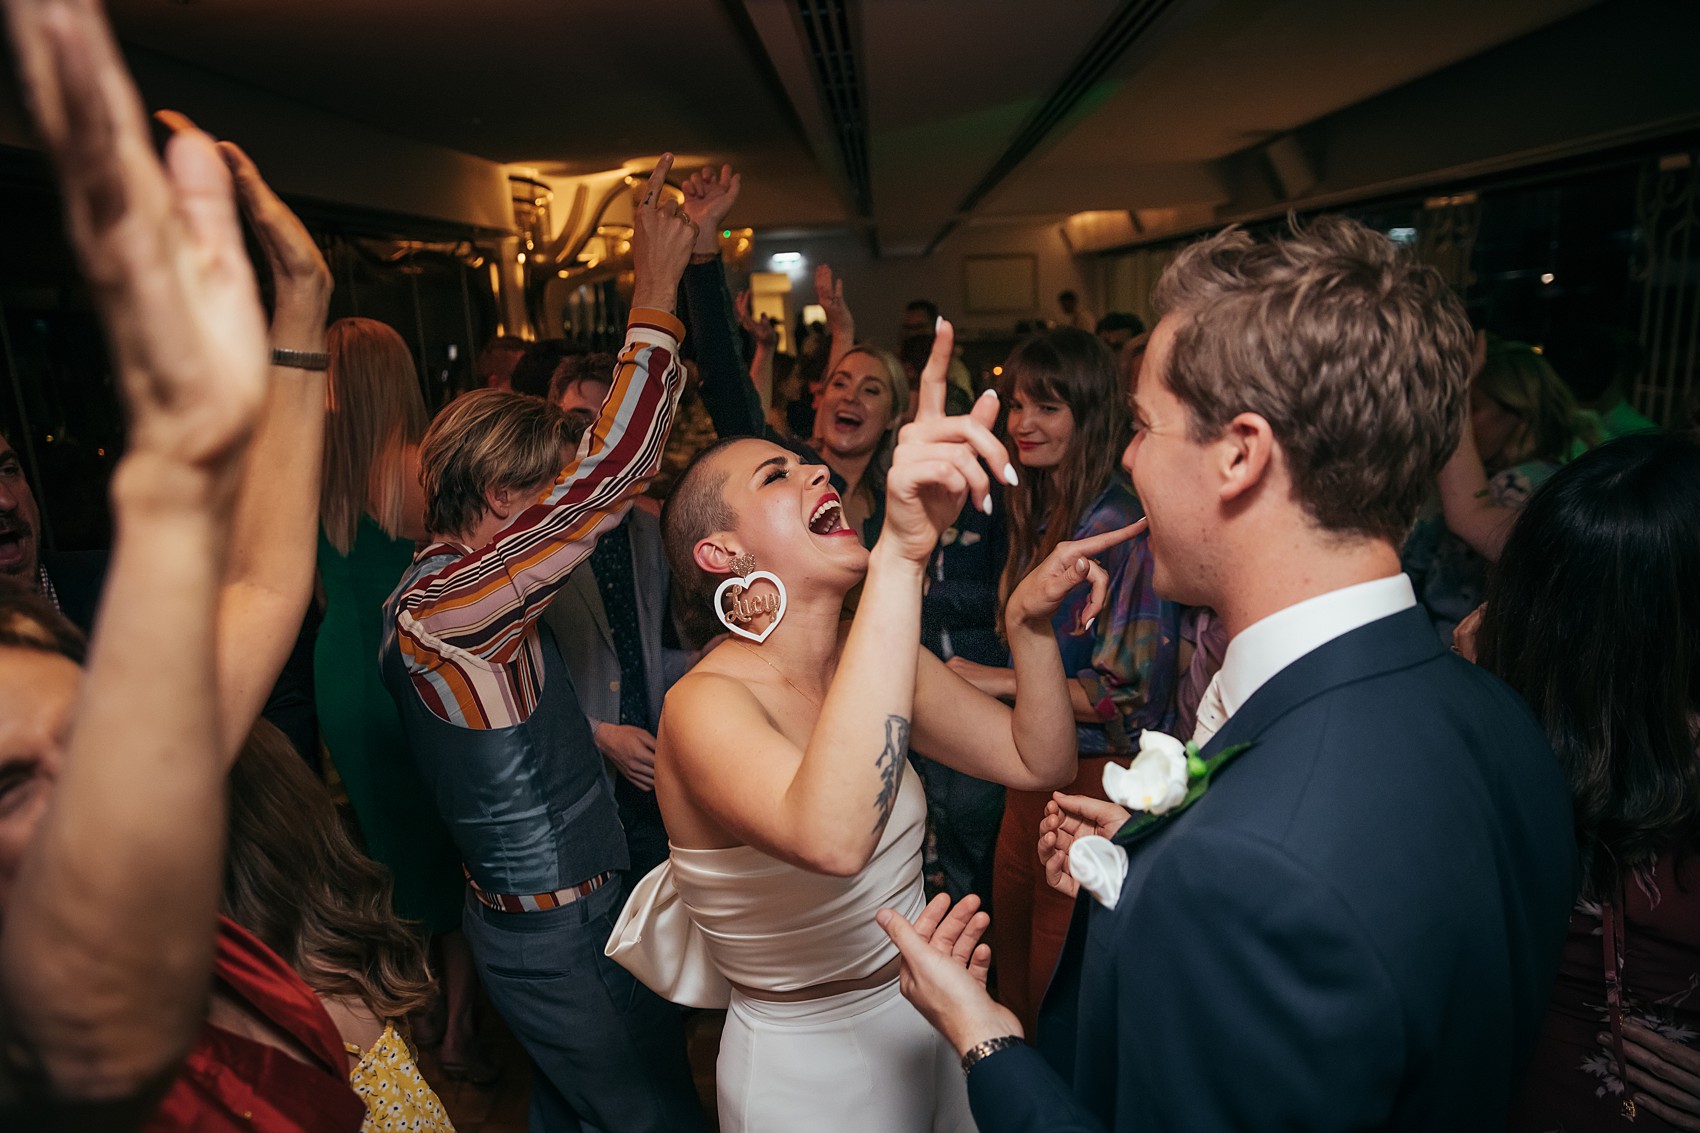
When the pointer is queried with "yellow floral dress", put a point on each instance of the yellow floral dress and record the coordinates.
(397, 1097)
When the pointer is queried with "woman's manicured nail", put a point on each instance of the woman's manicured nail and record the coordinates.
(1009, 476)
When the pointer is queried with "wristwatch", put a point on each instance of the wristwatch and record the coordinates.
(991, 1046)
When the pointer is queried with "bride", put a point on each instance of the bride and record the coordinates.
(782, 773)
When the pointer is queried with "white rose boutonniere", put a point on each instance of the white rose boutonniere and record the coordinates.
(1156, 781)
(1100, 866)
(1164, 779)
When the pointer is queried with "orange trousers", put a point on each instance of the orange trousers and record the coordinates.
(1029, 918)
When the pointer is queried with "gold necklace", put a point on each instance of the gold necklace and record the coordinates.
(776, 669)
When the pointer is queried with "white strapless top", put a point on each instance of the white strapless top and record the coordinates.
(706, 919)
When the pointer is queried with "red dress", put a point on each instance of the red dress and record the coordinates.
(1573, 1084)
(232, 1083)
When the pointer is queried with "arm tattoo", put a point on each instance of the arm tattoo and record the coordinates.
(890, 764)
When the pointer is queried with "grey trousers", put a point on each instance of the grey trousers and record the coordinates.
(609, 1053)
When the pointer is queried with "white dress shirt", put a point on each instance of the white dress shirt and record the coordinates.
(1266, 647)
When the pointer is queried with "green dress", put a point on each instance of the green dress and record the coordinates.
(362, 731)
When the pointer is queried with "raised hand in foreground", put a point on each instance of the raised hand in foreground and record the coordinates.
(106, 949)
(663, 234)
(936, 467)
(709, 195)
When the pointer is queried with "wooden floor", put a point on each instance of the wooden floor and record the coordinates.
(502, 1108)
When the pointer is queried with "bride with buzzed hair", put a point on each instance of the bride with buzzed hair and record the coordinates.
(782, 772)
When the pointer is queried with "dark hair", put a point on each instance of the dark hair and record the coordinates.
(1067, 295)
(926, 305)
(575, 368)
(537, 365)
(294, 879)
(28, 621)
(1122, 320)
(694, 510)
(1075, 368)
(1593, 614)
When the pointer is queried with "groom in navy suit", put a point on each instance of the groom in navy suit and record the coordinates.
(1357, 924)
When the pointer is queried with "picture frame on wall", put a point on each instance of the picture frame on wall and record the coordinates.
(1000, 284)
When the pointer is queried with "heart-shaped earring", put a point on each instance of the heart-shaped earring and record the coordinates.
(747, 611)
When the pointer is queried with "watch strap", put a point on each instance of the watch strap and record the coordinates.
(301, 359)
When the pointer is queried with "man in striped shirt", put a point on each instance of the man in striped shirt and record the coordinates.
(495, 725)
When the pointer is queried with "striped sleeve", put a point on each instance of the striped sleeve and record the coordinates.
(465, 629)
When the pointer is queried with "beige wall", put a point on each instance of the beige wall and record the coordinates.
(878, 288)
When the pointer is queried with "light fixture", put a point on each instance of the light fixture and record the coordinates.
(997, 371)
(1546, 277)
(786, 261)
(522, 257)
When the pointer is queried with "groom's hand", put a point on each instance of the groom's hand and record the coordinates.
(944, 971)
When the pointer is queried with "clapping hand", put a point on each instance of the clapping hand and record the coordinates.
(159, 243)
(944, 970)
(709, 196)
(1037, 596)
(663, 234)
(936, 466)
(1067, 819)
(300, 277)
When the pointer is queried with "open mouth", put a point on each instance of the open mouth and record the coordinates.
(12, 548)
(828, 517)
(846, 420)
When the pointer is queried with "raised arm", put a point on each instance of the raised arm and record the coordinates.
(268, 579)
(481, 603)
(106, 949)
(825, 807)
(829, 293)
(735, 406)
(763, 334)
(1467, 502)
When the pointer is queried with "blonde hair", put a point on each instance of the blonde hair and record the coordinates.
(483, 440)
(897, 385)
(377, 415)
(1526, 386)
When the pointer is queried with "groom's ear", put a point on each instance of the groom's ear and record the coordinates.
(714, 554)
(1244, 453)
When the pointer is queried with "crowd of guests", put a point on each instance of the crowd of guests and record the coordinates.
(1405, 889)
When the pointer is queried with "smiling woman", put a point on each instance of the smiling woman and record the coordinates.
(781, 769)
(863, 405)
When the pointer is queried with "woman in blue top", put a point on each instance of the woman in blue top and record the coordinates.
(1067, 427)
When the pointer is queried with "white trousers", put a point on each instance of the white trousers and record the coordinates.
(860, 1062)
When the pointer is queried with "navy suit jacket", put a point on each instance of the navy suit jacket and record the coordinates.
(1356, 927)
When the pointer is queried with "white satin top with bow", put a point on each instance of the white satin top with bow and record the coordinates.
(706, 919)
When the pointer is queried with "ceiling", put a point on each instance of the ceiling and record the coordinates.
(900, 117)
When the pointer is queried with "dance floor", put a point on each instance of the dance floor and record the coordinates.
(502, 1108)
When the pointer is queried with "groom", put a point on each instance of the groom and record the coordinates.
(1358, 924)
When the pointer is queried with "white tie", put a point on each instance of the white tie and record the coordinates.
(1212, 713)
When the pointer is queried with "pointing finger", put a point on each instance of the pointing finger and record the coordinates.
(931, 403)
(1104, 540)
(657, 179)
